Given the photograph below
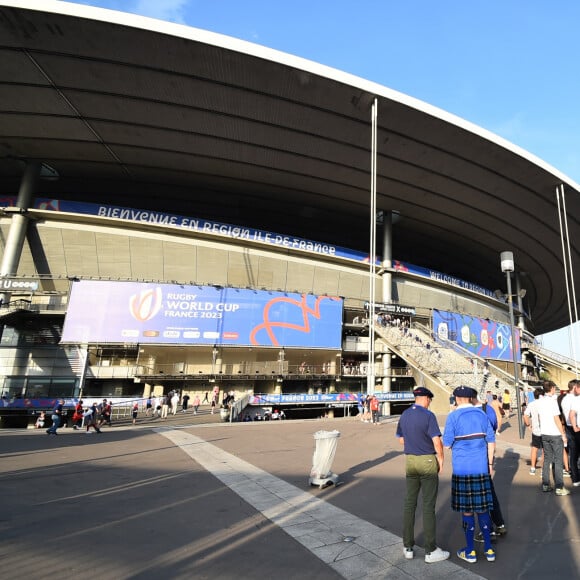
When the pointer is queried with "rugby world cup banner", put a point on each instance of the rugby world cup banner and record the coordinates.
(133, 312)
(485, 338)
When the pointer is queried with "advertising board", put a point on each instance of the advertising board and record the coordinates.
(133, 312)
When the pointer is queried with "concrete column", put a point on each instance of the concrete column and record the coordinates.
(146, 390)
(19, 223)
(387, 256)
(387, 379)
(387, 298)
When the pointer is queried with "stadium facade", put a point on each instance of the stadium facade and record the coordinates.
(184, 211)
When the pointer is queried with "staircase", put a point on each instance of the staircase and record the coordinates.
(445, 363)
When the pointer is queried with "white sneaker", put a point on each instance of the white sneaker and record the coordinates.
(437, 555)
(408, 553)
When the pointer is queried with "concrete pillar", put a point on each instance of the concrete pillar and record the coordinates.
(387, 298)
(387, 256)
(19, 223)
(146, 390)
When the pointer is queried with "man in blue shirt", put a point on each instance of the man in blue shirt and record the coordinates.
(419, 432)
(56, 417)
(470, 435)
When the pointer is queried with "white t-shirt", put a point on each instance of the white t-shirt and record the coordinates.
(532, 412)
(547, 410)
(567, 402)
(574, 406)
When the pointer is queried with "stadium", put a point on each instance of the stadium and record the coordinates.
(184, 211)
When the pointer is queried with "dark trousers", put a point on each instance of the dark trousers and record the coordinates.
(495, 513)
(573, 451)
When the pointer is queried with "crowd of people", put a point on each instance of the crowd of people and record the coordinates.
(91, 418)
(369, 409)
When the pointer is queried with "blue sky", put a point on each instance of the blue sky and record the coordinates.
(510, 66)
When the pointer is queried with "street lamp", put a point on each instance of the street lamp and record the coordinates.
(507, 266)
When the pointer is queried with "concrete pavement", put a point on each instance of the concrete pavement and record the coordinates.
(191, 497)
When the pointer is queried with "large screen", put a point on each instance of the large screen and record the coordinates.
(483, 337)
(133, 312)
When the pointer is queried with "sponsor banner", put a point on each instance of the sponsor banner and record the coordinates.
(395, 396)
(194, 225)
(18, 285)
(440, 277)
(303, 398)
(133, 312)
(392, 308)
(483, 337)
(336, 398)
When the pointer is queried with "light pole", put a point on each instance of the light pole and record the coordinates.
(507, 266)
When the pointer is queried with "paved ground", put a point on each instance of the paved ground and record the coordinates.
(195, 498)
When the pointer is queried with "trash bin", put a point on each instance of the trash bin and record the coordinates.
(324, 452)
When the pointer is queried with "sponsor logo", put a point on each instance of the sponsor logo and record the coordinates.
(191, 334)
(145, 305)
(231, 335)
(127, 333)
(170, 334)
(211, 335)
(150, 333)
(10, 284)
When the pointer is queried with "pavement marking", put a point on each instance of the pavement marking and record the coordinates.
(353, 547)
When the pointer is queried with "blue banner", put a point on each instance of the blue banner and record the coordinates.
(483, 337)
(133, 312)
(193, 224)
(337, 398)
(440, 277)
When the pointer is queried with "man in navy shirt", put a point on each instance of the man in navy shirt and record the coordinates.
(56, 417)
(419, 432)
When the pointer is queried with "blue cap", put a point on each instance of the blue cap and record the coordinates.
(466, 392)
(422, 392)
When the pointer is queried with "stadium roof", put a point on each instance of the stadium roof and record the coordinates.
(146, 114)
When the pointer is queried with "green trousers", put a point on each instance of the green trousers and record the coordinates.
(422, 473)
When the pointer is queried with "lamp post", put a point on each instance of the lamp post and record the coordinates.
(507, 266)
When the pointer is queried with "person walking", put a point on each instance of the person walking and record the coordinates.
(553, 439)
(571, 411)
(164, 406)
(196, 403)
(91, 419)
(78, 415)
(469, 434)
(135, 412)
(420, 436)
(56, 417)
(374, 407)
(506, 403)
(532, 419)
(184, 403)
(174, 402)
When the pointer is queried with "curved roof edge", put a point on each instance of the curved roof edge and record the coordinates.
(259, 51)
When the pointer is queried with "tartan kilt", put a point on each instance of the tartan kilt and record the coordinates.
(471, 493)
